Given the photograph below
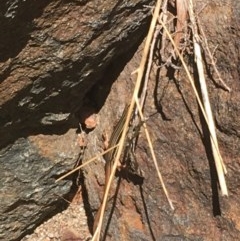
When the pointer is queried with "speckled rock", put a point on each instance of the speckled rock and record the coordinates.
(52, 54)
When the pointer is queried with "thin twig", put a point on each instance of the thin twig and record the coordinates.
(153, 154)
(86, 163)
(213, 63)
(150, 58)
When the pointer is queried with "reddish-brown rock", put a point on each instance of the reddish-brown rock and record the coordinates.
(60, 55)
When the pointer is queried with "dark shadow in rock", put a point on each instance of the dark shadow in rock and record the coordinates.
(207, 145)
(62, 100)
(113, 206)
(187, 107)
(157, 99)
(100, 91)
(147, 215)
(131, 176)
(213, 172)
(87, 207)
(205, 137)
(51, 111)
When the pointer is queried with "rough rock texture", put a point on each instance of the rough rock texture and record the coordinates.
(181, 142)
(28, 189)
(51, 54)
(57, 56)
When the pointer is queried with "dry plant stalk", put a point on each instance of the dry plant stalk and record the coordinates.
(151, 53)
(221, 169)
(153, 154)
(140, 72)
(86, 163)
(208, 117)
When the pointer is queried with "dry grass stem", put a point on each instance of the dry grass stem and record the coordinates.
(153, 154)
(129, 114)
(198, 59)
(213, 140)
(86, 163)
(150, 57)
(193, 86)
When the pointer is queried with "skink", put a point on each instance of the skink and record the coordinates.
(110, 156)
(114, 139)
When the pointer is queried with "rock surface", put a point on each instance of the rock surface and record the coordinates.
(58, 56)
(52, 54)
(180, 139)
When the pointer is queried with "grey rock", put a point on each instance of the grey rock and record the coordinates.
(52, 54)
